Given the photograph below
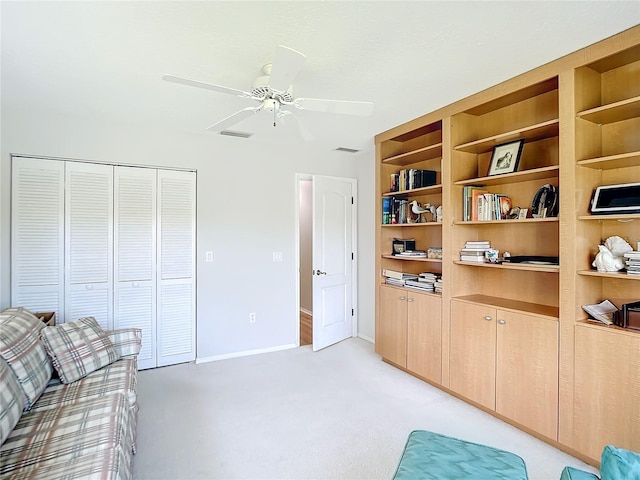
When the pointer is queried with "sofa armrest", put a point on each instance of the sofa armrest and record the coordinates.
(126, 341)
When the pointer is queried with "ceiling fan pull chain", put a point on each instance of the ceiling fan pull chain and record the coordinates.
(274, 117)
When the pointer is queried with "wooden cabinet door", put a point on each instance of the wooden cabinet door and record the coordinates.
(472, 359)
(393, 325)
(607, 390)
(424, 336)
(527, 371)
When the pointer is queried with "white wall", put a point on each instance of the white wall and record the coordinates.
(246, 210)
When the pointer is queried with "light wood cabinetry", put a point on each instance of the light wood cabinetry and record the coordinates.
(605, 414)
(597, 408)
(514, 338)
(506, 361)
(410, 331)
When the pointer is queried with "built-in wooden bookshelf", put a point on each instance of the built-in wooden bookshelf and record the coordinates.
(579, 118)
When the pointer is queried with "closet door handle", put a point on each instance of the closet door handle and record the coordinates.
(488, 318)
(403, 298)
(501, 322)
(410, 300)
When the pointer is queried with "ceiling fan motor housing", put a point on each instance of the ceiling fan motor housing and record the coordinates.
(260, 89)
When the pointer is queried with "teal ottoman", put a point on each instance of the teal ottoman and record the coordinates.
(428, 455)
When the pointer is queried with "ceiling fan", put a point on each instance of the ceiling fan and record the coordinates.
(274, 92)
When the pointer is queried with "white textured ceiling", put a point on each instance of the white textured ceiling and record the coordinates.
(105, 60)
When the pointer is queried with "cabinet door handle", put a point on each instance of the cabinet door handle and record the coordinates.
(501, 322)
(410, 300)
(402, 298)
(488, 318)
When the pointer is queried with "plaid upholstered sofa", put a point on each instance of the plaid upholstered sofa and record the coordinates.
(68, 405)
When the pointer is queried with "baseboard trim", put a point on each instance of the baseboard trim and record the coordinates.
(364, 337)
(245, 353)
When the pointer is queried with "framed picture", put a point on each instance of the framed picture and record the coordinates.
(505, 158)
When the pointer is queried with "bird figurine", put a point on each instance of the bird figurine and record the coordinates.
(605, 261)
(420, 210)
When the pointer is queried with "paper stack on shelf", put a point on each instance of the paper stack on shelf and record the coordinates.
(396, 278)
(601, 312)
(473, 251)
(633, 263)
(438, 285)
(412, 254)
(425, 282)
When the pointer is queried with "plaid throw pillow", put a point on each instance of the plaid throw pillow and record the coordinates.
(78, 348)
(11, 401)
(22, 349)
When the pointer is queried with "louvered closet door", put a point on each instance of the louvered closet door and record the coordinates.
(176, 285)
(89, 246)
(135, 256)
(37, 234)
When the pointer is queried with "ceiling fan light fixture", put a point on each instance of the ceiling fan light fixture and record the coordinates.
(236, 133)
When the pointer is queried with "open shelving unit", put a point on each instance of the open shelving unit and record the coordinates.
(512, 338)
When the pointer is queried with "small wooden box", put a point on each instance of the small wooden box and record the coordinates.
(48, 318)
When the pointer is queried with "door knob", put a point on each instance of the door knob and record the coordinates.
(318, 272)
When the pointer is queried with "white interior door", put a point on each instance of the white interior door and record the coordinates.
(89, 242)
(135, 256)
(37, 234)
(332, 260)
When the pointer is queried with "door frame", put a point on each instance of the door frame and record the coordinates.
(354, 239)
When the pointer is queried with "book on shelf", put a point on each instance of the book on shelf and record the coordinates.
(632, 263)
(386, 210)
(472, 258)
(601, 312)
(412, 178)
(412, 253)
(398, 275)
(467, 199)
(477, 201)
(477, 243)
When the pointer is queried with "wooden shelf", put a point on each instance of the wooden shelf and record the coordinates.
(616, 275)
(507, 222)
(610, 328)
(611, 162)
(604, 218)
(426, 153)
(432, 189)
(531, 133)
(413, 259)
(426, 224)
(517, 306)
(614, 112)
(529, 267)
(515, 177)
(416, 290)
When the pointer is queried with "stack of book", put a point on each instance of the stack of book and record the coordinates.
(473, 251)
(438, 285)
(412, 178)
(396, 278)
(412, 254)
(425, 282)
(633, 263)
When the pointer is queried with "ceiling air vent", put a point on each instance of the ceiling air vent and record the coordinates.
(347, 150)
(234, 133)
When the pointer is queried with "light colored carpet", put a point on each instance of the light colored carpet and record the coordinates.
(340, 413)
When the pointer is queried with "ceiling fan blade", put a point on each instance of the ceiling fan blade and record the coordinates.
(208, 86)
(345, 107)
(233, 119)
(285, 67)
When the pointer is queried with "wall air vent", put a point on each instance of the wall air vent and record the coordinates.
(235, 133)
(347, 150)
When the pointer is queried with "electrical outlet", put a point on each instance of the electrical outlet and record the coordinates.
(277, 256)
(252, 318)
